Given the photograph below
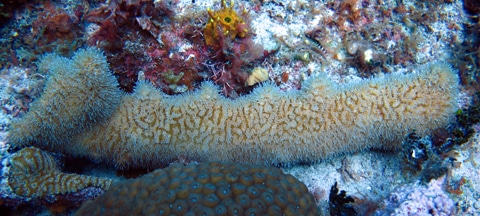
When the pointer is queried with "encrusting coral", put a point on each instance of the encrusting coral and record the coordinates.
(268, 126)
(79, 93)
(35, 173)
(214, 188)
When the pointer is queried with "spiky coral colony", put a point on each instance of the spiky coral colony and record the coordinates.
(268, 126)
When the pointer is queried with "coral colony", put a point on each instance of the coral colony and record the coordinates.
(214, 188)
(179, 107)
(148, 128)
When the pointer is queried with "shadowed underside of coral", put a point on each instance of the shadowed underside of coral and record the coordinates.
(323, 119)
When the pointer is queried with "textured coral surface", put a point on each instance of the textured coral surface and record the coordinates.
(212, 188)
(163, 42)
(35, 173)
(79, 93)
(268, 126)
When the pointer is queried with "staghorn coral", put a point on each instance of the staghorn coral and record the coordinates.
(215, 188)
(79, 93)
(321, 120)
(35, 173)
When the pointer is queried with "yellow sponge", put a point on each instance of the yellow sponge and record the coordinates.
(79, 93)
(270, 126)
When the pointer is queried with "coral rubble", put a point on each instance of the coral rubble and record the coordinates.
(258, 75)
(419, 200)
(34, 173)
(321, 120)
(213, 188)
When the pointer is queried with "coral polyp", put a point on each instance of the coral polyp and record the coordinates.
(223, 23)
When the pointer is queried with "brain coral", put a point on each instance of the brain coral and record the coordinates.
(35, 173)
(213, 188)
(79, 93)
(149, 128)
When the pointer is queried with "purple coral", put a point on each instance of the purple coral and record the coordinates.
(419, 200)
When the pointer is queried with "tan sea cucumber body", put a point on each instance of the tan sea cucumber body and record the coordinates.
(270, 126)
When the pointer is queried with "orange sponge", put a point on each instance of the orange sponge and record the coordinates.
(224, 23)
